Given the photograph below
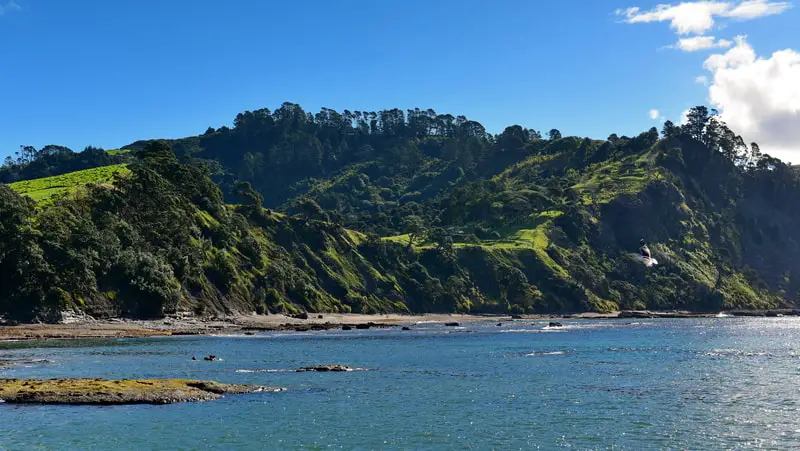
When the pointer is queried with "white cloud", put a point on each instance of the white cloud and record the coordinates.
(8, 7)
(757, 8)
(698, 17)
(758, 97)
(684, 18)
(696, 43)
(653, 114)
(701, 80)
(684, 117)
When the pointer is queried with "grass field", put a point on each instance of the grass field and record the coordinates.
(42, 190)
(117, 151)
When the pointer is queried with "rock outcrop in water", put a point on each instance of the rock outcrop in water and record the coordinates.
(125, 391)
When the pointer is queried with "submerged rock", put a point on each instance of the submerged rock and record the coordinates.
(125, 391)
(22, 361)
(324, 368)
(406, 328)
(555, 324)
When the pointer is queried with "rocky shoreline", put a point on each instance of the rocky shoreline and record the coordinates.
(73, 327)
(116, 392)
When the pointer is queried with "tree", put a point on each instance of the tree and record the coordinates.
(755, 155)
(670, 130)
(465, 158)
(310, 209)
(554, 134)
(248, 195)
(157, 152)
(512, 138)
(696, 120)
(415, 227)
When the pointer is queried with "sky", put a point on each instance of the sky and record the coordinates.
(107, 73)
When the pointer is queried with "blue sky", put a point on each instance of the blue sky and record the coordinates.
(106, 73)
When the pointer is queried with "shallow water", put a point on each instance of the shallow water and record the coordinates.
(711, 383)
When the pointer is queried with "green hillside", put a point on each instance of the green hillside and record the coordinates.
(44, 189)
(416, 211)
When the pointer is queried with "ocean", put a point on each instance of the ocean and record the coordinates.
(704, 383)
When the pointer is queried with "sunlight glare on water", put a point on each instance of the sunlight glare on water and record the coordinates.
(714, 383)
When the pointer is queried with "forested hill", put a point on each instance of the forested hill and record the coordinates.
(400, 211)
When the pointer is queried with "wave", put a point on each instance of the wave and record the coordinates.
(644, 349)
(728, 352)
(541, 353)
(285, 370)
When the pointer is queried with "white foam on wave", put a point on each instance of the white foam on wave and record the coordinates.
(555, 328)
(541, 353)
(729, 352)
(288, 370)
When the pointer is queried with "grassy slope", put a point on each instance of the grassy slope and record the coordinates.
(118, 151)
(42, 190)
(337, 277)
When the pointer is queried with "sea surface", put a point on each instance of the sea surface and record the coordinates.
(712, 383)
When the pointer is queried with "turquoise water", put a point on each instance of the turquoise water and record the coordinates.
(721, 383)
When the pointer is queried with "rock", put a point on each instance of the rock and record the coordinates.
(324, 368)
(319, 316)
(516, 317)
(635, 314)
(125, 391)
(307, 327)
(555, 324)
(346, 327)
(302, 315)
(406, 328)
(249, 333)
(499, 324)
(362, 326)
(211, 357)
(454, 324)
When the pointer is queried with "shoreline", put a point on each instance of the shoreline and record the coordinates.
(89, 328)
